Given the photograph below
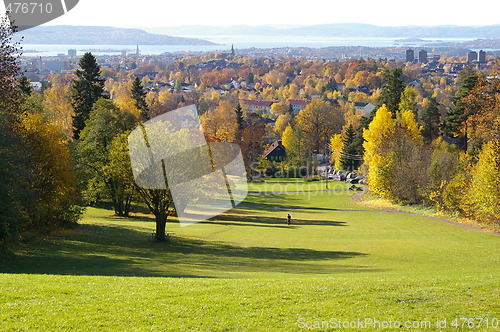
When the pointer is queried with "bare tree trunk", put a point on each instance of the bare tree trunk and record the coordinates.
(161, 224)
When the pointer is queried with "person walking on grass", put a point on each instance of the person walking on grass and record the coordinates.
(289, 219)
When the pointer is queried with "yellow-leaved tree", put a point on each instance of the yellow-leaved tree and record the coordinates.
(221, 122)
(320, 120)
(287, 136)
(336, 146)
(378, 136)
(53, 180)
(57, 103)
(393, 153)
(485, 186)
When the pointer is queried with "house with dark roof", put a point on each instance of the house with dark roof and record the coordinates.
(275, 152)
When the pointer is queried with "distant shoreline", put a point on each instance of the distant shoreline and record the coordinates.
(282, 46)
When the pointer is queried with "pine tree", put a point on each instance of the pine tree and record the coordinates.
(239, 116)
(13, 163)
(139, 95)
(392, 88)
(349, 159)
(9, 68)
(455, 122)
(87, 89)
(24, 85)
(431, 120)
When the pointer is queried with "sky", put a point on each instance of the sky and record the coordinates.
(158, 13)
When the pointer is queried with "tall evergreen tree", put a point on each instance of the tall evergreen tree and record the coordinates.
(9, 68)
(87, 89)
(349, 159)
(13, 163)
(431, 121)
(455, 123)
(139, 95)
(239, 116)
(392, 88)
(24, 85)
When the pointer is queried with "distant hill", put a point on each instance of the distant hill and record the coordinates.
(100, 35)
(341, 30)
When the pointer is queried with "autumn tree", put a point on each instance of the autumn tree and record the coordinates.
(483, 106)
(52, 179)
(221, 122)
(281, 123)
(106, 122)
(377, 137)
(444, 162)
(409, 101)
(485, 187)
(87, 88)
(336, 148)
(57, 104)
(275, 78)
(278, 109)
(319, 121)
(122, 94)
(118, 173)
(251, 144)
(393, 155)
(295, 141)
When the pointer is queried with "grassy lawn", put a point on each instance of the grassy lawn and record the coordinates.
(248, 271)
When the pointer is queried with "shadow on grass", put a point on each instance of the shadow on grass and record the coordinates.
(119, 250)
(257, 221)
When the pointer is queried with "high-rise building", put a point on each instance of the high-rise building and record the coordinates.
(471, 56)
(482, 56)
(410, 55)
(422, 56)
(72, 53)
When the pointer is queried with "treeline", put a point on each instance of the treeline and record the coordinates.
(65, 148)
(413, 163)
(38, 180)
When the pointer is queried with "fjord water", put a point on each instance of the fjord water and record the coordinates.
(224, 43)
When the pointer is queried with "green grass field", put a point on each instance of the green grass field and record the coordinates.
(248, 271)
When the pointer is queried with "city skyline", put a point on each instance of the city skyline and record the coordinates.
(149, 13)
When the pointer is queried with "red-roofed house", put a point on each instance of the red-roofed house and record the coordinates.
(254, 105)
